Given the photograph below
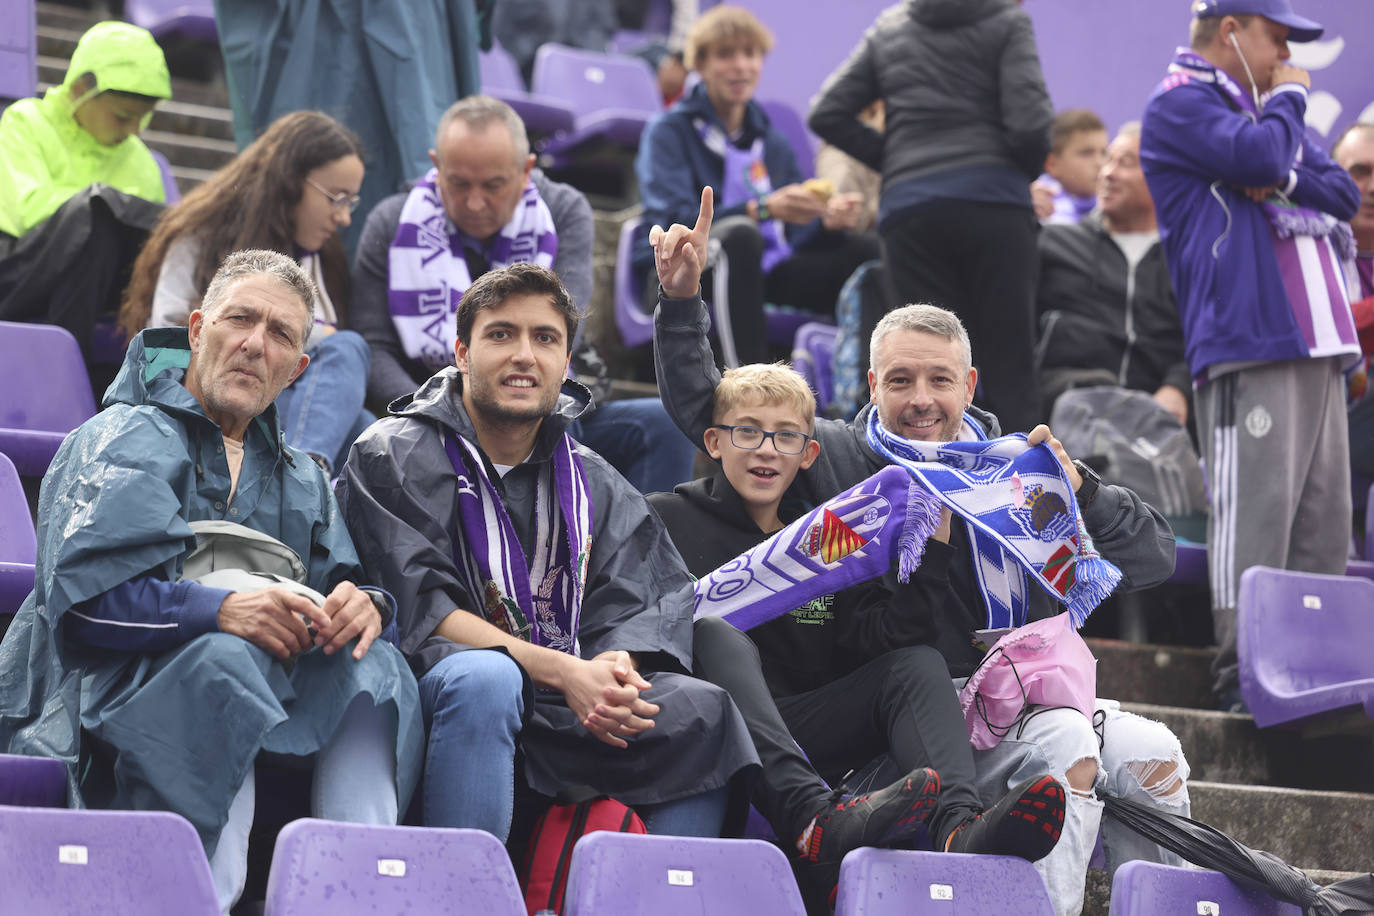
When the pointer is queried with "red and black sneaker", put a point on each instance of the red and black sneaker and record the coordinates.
(1026, 823)
(881, 817)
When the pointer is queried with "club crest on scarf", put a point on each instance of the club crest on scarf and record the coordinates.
(1021, 517)
(851, 538)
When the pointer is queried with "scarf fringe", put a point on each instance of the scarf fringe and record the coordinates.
(923, 511)
(1094, 579)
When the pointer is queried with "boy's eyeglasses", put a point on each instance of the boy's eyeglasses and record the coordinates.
(786, 441)
(341, 201)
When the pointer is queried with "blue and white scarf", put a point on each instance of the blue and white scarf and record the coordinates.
(427, 273)
(746, 178)
(540, 601)
(1021, 515)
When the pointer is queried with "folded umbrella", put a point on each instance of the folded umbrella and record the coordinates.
(1209, 847)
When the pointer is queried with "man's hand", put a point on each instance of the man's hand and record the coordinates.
(942, 533)
(603, 693)
(842, 212)
(271, 619)
(1042, 434)
(794, 204)
(1174, 401)
(1042, 199)
(1287, 73)
(351, 613)
(680, 253)
(1259, 195)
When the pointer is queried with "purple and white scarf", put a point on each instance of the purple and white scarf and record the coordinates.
(849, 539)
(540, 601)
(427, 273)
(1021, 515)
(746, 178)
(1310, 246)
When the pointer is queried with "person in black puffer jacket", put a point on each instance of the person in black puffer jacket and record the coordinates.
(968, 122)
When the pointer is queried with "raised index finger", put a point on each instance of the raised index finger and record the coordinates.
(705, 214)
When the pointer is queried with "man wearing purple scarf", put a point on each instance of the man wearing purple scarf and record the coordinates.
(1250, 215)
(541, 603)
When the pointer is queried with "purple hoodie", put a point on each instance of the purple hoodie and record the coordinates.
(1199, 149)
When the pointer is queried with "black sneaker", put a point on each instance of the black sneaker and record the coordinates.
(1026, 823)
(880, 817)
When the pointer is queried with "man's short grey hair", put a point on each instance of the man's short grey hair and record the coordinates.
(927, 319)
(1129, 129)
(249, 262)
(476, 112)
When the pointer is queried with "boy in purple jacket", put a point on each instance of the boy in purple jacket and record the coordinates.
(1250, 213)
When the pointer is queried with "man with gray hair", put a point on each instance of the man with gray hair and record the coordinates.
(921, 384)
(482, 207)
(148, 657)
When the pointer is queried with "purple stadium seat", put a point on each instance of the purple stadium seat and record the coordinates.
(811, 355)
(1303, 643)
(791, 125)
(878, 882)
(347, 869)
(18, 49)
(18, 547)
(636, 327)
(47, 393)
(169, 182)
(1190, 564)
(35, 782)
(195, 19)
(679, 876)
(1146, 889)
(1368, 523)
(111, 863)
(612, 96)
(501, 79)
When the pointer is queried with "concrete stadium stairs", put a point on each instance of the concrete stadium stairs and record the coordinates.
(1305, 795)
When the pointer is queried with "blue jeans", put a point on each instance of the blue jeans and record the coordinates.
(472, 706)
(640, 441)
(322, 411)
(471, 702)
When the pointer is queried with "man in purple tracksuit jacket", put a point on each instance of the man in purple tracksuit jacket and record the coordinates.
(1250, 215)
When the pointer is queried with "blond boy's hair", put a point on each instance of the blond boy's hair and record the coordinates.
(765, 383)
(724, 26)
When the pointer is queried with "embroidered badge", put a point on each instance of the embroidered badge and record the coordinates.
(838, 540)
(1258, 422)
(1044, 515)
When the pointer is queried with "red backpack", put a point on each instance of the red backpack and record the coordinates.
(575, 813)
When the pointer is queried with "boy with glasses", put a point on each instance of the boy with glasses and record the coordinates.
(829, 686)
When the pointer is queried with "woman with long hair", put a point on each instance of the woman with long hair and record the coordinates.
(290, 190)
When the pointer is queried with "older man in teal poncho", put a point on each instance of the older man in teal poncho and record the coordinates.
(147, 651)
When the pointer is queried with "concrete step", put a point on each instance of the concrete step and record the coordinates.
(1335, 754)
(59, 15)
(1307, 829)
(187, 151)
(1161, 675)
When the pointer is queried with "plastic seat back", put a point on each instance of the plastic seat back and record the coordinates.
(1303, 643)
(1147, 889)
(679, 876)
(35, 782)
(47, 393)
(110, 863)
(345, 869)
(888, 882)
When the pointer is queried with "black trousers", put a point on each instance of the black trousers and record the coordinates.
(810, 279)
(70, 269)
(980, 261)
(901, 703)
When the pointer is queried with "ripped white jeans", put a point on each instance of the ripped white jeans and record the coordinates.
(1135, 753)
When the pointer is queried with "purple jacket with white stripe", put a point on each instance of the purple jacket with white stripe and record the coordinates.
(1199, 152)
